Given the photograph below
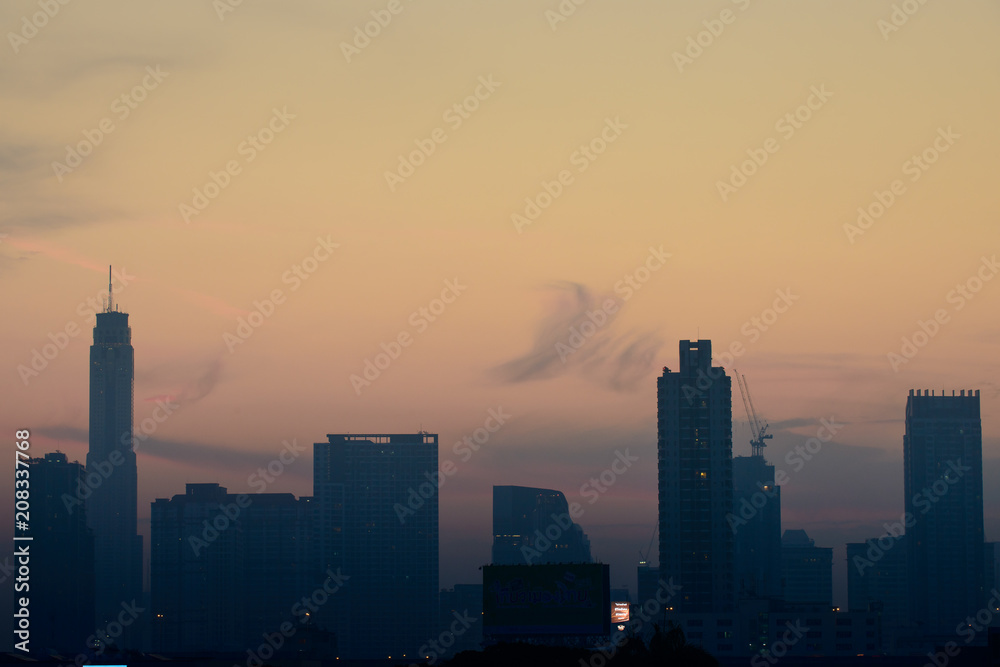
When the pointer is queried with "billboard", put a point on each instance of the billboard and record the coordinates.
(546, 599)
(619, 612)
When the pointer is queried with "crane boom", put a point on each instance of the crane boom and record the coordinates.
(759, 432)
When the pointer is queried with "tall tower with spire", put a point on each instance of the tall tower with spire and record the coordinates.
(111, 472)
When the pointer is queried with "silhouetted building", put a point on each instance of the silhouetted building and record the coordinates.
(62, 556)
(992, 566)
(943, 482)
(111, 508)
(756, 524)
(770, 632)
(806, 570)
(647, 581)
(694, 447)
(535, 526)
(459, 605)
(226, 568)
(877, 582)
(377, 503)
(550, 603)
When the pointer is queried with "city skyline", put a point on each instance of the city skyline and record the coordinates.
(360, 479)
(794, 460)
(494, 223)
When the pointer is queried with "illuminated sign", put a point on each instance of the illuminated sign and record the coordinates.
(619, 612)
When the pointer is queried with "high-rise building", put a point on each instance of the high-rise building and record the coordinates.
(695, 452)
(377, 502)
(943, 482)
(534, 526)
(647, 582)
(806, 570)
(756, 525)
(226, 568)
(877, 582)
(62, 548)
(111, 507)
(992, 566)
(461, 603)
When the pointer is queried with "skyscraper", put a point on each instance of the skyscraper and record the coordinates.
(877, 582)
(943, 482)
(695, 452)
(806, 570)
(226, 567)
(756, 524)
(62, 596)
(534, 526)
(377, 501)
(111, 508)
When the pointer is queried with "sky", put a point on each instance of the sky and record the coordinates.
(462, 189)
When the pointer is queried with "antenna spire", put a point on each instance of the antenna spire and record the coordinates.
(110, 294)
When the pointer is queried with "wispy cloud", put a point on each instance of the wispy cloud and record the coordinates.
(571, 339)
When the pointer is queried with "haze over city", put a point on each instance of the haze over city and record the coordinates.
(290, 269)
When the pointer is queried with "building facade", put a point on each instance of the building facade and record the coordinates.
(62, 595)
(943, 483)
(806, 570)
(877, 582)
(694, 448)
(226, 568)
(112, 504)
(756, 524)
(377, 506)
(534, 526)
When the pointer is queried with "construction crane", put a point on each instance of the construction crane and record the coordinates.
(759, 432)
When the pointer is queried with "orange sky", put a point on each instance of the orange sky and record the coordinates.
(613, 124)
